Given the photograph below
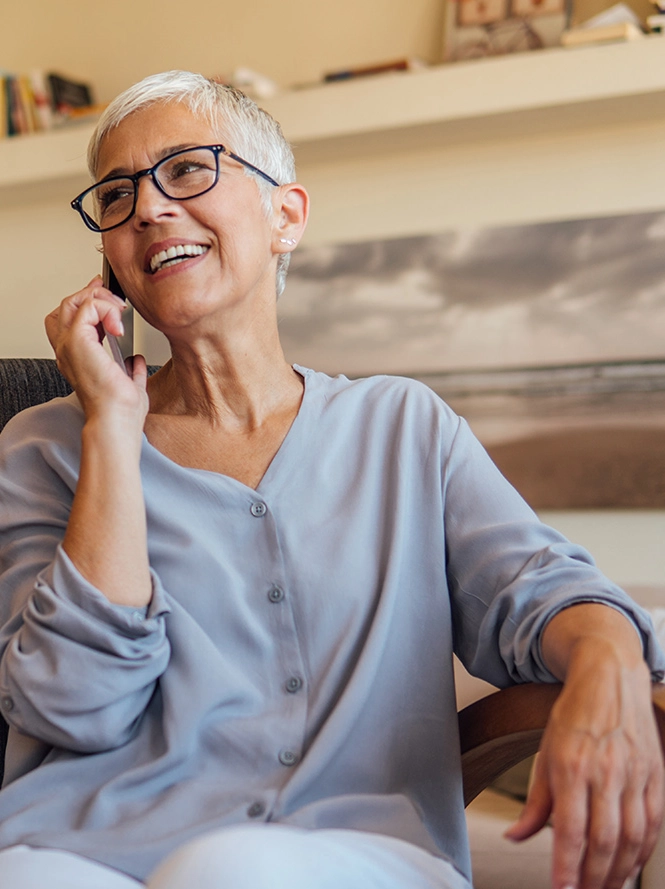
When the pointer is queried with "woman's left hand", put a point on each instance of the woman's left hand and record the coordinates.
(599, 773)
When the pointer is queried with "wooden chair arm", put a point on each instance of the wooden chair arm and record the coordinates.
(502, 729)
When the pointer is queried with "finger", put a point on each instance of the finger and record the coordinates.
(570, 819)
(138, 370)
(537, 809)
(93, 314)
(603, 841)
(653, 808)
(63, 315)
(629, 843)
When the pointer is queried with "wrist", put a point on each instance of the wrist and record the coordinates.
(114, 431)
(589, 634)
(606, 655)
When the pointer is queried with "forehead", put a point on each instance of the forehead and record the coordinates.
(148, 134)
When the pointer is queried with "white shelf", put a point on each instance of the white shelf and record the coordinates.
(555, 88)
(43, 156)
(598, 80)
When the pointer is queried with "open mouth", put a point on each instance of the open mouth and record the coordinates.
(174, 255)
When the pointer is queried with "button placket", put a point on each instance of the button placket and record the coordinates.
(281, 622)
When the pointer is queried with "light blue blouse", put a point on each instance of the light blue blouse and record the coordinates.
(295, 663)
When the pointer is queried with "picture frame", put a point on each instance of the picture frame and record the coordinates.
(481, 28)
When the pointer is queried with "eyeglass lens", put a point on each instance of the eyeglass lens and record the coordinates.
(183, 175)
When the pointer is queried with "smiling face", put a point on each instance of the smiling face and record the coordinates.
(186, 264)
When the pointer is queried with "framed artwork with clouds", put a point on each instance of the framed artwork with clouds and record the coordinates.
(549, 338)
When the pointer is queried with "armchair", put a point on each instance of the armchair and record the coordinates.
(496, 732)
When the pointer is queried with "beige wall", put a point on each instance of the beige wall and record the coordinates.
(598, 169)
(291, 41)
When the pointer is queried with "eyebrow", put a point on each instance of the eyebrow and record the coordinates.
(164, 152)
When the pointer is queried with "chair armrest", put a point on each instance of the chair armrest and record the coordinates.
(501, 730)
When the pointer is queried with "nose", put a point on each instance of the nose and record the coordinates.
(151, 203)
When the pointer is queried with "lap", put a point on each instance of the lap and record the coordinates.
(273, 856)
(23, 867)
(255, 856)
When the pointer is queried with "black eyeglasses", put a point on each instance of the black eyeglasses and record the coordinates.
(182, 175)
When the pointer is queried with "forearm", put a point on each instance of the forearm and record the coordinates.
(106, 537)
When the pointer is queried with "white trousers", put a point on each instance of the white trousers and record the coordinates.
(257, 856)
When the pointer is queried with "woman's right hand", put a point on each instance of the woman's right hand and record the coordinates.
(106, 536)
(75, 330)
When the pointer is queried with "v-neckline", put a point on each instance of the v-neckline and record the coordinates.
(273, 467)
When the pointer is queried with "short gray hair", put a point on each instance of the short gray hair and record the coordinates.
(251, 131)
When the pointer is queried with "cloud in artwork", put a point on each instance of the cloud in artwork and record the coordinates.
(579, 290)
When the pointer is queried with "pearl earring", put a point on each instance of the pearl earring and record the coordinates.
(290, 241)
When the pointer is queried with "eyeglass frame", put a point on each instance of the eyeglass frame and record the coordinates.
(77, 203)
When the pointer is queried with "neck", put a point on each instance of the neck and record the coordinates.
(238, 380)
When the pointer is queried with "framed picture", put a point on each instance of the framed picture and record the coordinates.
(478, 28)
(547, 338)
(531, 8)
(481, 12)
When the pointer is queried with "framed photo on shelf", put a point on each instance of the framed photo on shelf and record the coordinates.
(481, 12)
(476, 29)
(532, 8)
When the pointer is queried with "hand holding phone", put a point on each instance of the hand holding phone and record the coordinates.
(121, 347)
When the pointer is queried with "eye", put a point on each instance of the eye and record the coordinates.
(108, 195)
(186, 168)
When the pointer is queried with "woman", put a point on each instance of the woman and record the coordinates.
(230, 593)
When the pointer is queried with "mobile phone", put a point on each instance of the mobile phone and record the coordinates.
(121, 347)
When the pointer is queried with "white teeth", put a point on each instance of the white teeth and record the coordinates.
(176, 253)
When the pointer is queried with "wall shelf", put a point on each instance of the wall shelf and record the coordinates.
(560, 88)
(530, 92)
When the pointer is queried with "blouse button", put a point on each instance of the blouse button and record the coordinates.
(288, 757)
(258, 509)
(256, 809)
(293, 684)
(276, 594)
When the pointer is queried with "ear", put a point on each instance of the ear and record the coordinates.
(291, 212)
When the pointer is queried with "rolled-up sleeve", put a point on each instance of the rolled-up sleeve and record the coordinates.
(510, 574)
(76, 671)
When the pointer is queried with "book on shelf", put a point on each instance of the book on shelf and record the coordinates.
(66, 93)
(656, 23)
(35, 102)
(405, 64)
